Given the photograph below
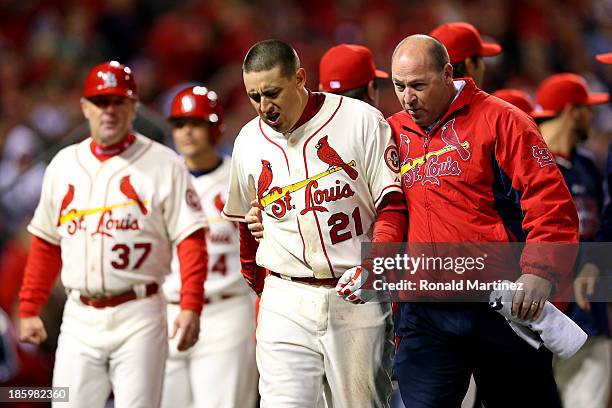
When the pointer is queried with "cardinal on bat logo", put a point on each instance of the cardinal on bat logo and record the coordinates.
(328, 155)
(128, 190)
(450, 137)
(66, 202)
(430, 167)
(265, 178)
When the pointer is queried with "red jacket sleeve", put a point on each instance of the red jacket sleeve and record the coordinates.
(42, 269)
(549, 212)
(391, 220)
(253, 273)
(193, 266)
(390, 227)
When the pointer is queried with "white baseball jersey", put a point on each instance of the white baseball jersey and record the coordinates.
(321, 184)
(116, 220)
(222, 241)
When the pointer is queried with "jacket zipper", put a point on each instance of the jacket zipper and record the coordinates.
(426, 197)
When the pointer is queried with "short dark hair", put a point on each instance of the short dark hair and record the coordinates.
(361, 92)
(459, 68)
(268, 54)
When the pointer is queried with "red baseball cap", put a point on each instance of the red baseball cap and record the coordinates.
(110, 78)
(605, 58)
(347, 66)
(559, 90)
(516, 97)
(462, 41)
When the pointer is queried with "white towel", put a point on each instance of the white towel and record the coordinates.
(553, 328)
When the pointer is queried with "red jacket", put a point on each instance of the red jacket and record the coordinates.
(483, 174)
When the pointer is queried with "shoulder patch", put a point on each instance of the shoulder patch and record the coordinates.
(542, 155)
(192, 200)
(392, 158)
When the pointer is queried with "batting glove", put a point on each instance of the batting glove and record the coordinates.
(350, 285)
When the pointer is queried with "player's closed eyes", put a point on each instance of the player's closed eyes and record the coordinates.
(267, 94)
(271, 94)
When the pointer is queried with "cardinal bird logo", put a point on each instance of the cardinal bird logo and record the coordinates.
(265, 178)
(218, 201)
(449, 136)
(66, 202)
(328, 155)
(128, 190)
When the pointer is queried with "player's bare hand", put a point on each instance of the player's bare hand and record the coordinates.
(527, 304)
(350, 285)
(254, 222)
(187, 326)
(32, 330)
(584, 285)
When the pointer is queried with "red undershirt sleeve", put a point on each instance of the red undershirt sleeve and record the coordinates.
(193, 267)
(42, 269)
(252, 273)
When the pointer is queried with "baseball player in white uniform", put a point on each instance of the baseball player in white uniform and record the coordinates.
(322, 168)
(110, 210)
(219, 371)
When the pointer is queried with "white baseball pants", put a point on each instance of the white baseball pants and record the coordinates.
(219, 370)
(122, 347)
(584, 379)
(310, 342)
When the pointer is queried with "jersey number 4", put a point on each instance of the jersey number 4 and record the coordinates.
(123, 255)
(220, 266)
(339, 223)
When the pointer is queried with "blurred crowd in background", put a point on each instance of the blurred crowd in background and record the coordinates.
(47, 47)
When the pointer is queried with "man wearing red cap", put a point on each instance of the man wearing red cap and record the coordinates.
(516, 97)
(110, 210)
(219, 371)
(606, 58)
(465, 49)
(584, 379)
(607, 216)
(461, 149)
(349, 70)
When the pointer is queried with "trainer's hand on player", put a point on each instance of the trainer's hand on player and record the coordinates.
(253, 220)
(584, 285)
(187, 325)
(527, 304)
(32, 330)
(350, 284)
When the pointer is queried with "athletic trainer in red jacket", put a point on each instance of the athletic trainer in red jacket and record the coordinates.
(460, 149)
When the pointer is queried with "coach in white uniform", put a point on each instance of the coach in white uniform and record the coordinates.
(111, 209)
(323, 169)
(219, 371)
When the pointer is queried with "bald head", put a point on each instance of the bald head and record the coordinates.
(423, 78)
(423, 46)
